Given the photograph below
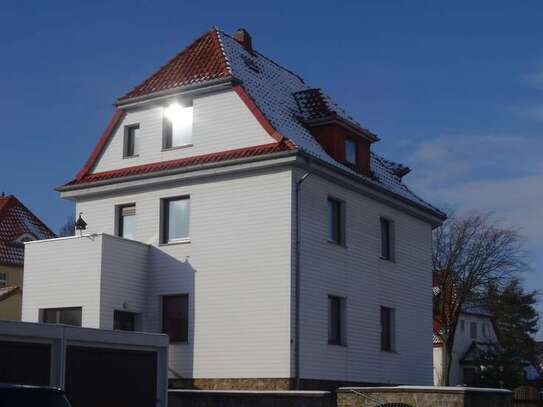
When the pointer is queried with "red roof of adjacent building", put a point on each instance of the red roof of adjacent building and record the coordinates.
(16, 220)
(239, 153)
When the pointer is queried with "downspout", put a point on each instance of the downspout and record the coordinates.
(297, 280)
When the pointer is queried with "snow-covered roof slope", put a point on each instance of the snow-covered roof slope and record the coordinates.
(274, 89)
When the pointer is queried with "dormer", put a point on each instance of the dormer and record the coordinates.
(340, 136)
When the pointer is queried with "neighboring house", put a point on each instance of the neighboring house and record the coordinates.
(475, 336)
(203, 223)
(17, 225)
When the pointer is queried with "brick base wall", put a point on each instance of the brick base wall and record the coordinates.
(203, 398)
(261, 384)
(423, 397)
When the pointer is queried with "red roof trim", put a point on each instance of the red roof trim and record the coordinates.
(251, 105)
(188, 161)
(91, 161)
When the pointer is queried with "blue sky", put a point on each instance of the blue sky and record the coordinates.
(455, 90)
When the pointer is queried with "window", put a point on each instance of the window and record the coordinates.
(485, 330)
(386, 239)
(175, 317)
(350, 151)
(336, 221)
(462, 325)
(175, 221)
(388, 329)
(336, 320)
(131, 140)
(68, 316)
(177, 126)
(473, 330)
(3, 279)
(124, 321)
(126, 215)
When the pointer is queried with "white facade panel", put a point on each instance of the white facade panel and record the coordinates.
(357, 273)
(236, 269)
(124, 280)
(62, 273)
(221, 122)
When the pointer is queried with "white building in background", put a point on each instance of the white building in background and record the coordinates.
(475, 336)
(241, 211)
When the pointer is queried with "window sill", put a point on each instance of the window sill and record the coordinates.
(341, 345)
(178, 342)
(336, 243)
(126, 157)
(177, 147)
(175, 242)
(389, 352)
(387, 259)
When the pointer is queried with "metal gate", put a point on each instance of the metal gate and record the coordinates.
(110, 377)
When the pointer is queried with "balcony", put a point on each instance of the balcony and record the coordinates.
(99, 273)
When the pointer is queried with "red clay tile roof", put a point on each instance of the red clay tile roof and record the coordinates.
(201, 61)
(187, 162)
(270, 91)
(16, 220)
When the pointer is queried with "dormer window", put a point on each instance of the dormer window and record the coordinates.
(350, 151)
(177, 126)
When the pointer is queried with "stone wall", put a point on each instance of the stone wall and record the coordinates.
(423, 397)
(213, 398)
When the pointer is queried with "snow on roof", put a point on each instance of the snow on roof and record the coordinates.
(281, 96)
(273, 88)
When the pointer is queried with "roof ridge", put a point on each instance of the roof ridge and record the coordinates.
(187, 49)
(268, 58)
(221, 46)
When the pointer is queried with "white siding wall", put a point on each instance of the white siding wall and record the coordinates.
(221, 122)
(236, 270)
(357, 273)
(63, 273)
(463, 340)
(124, 280)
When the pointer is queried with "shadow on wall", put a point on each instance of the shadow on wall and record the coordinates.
(173, 277)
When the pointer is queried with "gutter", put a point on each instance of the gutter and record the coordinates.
(175, 171)
(297, 273)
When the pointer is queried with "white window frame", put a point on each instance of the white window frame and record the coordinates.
(164, 220)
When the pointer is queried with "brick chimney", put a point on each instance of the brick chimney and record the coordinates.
(244, 38)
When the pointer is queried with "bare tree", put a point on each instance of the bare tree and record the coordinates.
(469, 254)
(68, 229)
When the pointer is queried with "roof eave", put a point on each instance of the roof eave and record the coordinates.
(190, 89)
(173, 171)
(438, 216)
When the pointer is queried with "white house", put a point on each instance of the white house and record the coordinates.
(238, 209)
(475, 336)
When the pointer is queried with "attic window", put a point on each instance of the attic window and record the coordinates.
(177, 126)
(250, 63)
